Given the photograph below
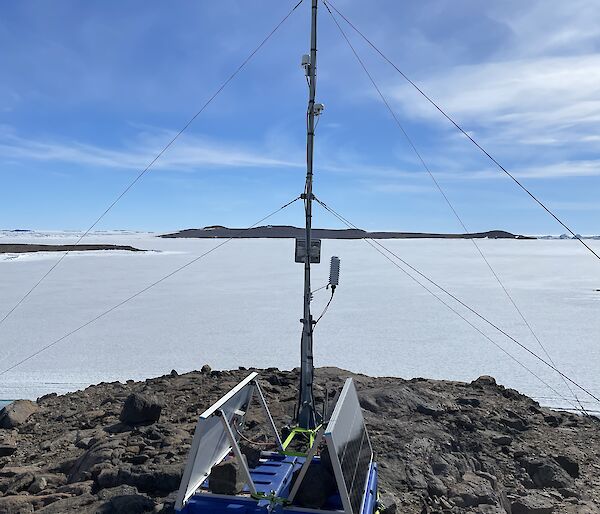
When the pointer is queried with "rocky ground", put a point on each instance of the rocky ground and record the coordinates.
(442, 447)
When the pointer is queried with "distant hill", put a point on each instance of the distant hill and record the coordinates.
(287, 231)
(29, 248)
(568, 236)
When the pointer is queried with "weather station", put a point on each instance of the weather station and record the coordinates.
(331, 446)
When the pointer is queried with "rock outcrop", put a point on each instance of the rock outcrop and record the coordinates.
(16, 413)
(442, 447)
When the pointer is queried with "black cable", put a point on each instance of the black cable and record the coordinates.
(459, 301)
(439, 187)
(158, 156)
(326, 306)
(372, 242)
(464, 132)
(165, 277)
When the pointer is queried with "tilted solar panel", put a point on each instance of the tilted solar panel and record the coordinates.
(349, 449)
(211, 443)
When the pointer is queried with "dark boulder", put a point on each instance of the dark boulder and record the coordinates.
(553, 420)
(473, 490)
(569, 464)
(131, 504)
(8, 444)
(545, 472)
(20, 483)
(140, 408)
(16, 413)
(252, 455)
(38, 485)
(226, 478)
(533, 504)
(484, 380)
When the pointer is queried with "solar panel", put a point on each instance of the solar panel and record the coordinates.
(211, 443)
(349, 449)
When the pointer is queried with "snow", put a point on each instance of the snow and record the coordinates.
(240, 306)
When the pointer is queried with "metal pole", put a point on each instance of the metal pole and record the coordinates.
(306, 405)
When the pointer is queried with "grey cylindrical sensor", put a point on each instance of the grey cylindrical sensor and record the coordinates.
(334, 271)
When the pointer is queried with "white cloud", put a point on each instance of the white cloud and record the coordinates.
(188, 153)
(582, 168)
(557, 170)
(531, 96)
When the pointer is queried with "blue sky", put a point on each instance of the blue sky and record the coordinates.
(90, 91)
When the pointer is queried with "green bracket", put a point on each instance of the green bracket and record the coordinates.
(307, 433)
(272, 498)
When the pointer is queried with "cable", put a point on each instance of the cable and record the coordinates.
(371, 242)
(165, 277)
(458, 300)
(439, 187)
(326, 306)
(266, 444)
(464, 132)
(158, 156)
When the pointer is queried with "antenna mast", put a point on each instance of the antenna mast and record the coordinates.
(307, 417)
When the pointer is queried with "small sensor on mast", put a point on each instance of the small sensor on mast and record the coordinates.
(334, 272)
(306, 63)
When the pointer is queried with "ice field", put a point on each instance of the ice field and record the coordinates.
(240, 306)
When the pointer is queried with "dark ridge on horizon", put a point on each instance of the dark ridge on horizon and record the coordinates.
(291, 232)
(30, 248)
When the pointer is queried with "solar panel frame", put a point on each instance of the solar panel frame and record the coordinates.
(211, 443)
(350, 449)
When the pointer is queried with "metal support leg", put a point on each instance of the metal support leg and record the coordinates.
(263, 402)
(238, 453)
(309, 457)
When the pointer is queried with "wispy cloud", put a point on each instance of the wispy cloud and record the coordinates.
(557, 97)
(522, 77)
(190, 153)
(197, 153)
(560, 170)
(582, 168)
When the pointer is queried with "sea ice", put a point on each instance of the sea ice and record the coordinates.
(240, 306)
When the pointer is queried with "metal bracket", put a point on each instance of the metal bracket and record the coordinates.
(237, 452)
(306, 432)
(309, 457)
(261, 398)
